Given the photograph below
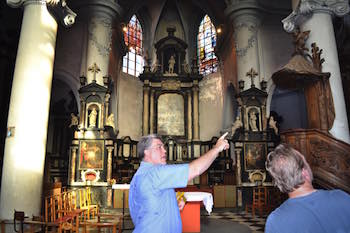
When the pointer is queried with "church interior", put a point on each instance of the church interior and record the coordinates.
(83, 80)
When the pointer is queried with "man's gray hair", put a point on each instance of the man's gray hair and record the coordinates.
(145, 143)
(285, 164)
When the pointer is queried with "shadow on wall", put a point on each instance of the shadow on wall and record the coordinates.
(291, 106)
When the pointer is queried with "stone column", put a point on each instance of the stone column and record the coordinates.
(309, 16)
(73, 164)
(189, 116)
(100, 17)
(109, 163)
(151, 113)
(246, 19)
(25, 145)
(146, 90)
(195, 90)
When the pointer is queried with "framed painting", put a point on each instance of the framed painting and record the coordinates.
(91, 154)
(254, 156)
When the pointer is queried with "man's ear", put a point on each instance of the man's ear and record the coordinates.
(306, 175)
(146, 154)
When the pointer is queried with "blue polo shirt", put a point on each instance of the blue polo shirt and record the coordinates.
(152, 199)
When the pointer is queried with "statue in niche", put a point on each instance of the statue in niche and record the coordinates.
(236, 125)
(93, 118)
(110, 121)
(253, 120)
(74, 121)
(171, 64)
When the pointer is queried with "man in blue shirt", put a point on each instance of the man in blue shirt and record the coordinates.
(152, 199)
(307, 210)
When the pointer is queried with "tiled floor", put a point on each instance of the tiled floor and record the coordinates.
(256, 224)
(223, 220)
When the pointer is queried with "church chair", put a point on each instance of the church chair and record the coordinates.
(91, 210)
(259, 201)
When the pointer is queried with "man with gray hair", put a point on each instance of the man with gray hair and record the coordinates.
(307, 209)
(152, 200)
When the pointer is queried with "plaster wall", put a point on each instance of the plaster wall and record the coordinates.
(210, 106)
(129, 106)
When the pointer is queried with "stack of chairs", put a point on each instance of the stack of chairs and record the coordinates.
(259, 201)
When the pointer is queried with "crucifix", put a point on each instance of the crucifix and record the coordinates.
(94, 69)
(252, 73)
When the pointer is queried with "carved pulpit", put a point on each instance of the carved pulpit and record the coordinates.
(254, 136)
(171, 92)
(94, 135)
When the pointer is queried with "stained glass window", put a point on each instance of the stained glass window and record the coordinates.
(208, 62)
(133, 60)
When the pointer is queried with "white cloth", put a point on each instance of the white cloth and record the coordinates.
(207, 199)
(121, 186)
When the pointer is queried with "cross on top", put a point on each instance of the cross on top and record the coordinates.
(94, 69)
(252, 73)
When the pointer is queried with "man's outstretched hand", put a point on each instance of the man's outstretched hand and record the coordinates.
(222, 143)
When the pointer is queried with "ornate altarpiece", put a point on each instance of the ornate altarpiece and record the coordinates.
(253, 136)
(94, 136)
(171, 92)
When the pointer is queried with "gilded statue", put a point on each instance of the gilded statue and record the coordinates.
(74, 121)
(110, 121)
(93, 118)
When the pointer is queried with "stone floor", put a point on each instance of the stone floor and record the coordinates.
(222, 220)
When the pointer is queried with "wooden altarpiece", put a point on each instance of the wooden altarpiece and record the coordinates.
(253, 136)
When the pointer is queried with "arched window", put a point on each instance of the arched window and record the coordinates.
(133, 60)
(206, 42)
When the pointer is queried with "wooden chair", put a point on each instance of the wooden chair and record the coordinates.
(259, 201)
(85, 203)
(104, 220)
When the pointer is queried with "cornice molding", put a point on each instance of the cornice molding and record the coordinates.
(239, 10)
(306, 8)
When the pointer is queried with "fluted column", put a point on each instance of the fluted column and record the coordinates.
(310, 15)
(24, 154)
(245, 18)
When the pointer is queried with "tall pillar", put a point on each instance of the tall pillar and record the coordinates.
(189, 115)
(195, 90)
(25, 145)
(146, 90)
(151, 113)
(246, 19)
(100, 17)
(310, 15)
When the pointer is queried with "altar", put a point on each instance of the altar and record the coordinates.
(190, 215)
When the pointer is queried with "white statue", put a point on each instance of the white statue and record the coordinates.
(74, 120)
(171, 64)
(273, 125)
(93, 118)
(236, 125)
(110, 121)
(252, 121)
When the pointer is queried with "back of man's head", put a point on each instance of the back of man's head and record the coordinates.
(286, 165)
(144, 143)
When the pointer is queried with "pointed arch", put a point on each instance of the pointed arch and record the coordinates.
(206, 41)
(133, 61)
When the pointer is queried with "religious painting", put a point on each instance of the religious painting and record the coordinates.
(254, 156)
(91, 154)
(170, 117)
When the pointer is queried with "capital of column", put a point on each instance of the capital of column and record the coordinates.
(97, 8)
(244, 11)
(307, 7)
(19, 3)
